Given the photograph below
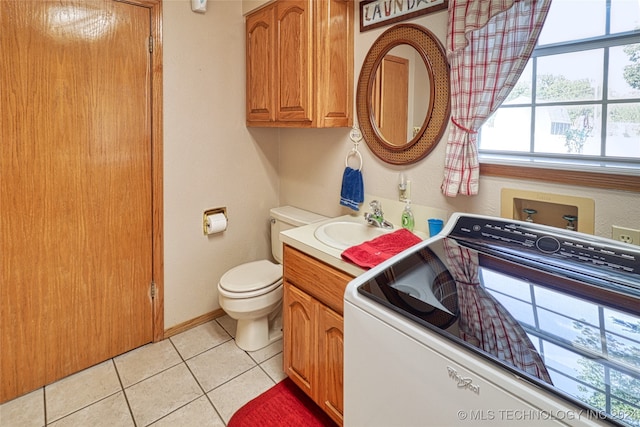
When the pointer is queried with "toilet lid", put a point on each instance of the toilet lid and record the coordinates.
(251, 276)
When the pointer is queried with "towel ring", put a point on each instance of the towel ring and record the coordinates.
(352, 153)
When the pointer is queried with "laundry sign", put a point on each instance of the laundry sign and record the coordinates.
(376, 13)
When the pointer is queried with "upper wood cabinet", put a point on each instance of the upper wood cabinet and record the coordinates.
(300, 64)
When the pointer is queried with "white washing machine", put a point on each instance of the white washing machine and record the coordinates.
(496, 322)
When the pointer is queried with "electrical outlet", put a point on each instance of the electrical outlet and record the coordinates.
(625, 235)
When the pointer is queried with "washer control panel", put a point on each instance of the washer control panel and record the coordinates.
(536, 241)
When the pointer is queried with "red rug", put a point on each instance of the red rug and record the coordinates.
(283, 405)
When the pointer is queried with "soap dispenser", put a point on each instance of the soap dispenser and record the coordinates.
(407, 217)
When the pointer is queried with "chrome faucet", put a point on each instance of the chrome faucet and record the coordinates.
(376, 218)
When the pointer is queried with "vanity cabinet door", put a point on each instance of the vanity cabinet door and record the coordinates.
(313, 349)
(330, 363)
(313, 329)
(299, 336)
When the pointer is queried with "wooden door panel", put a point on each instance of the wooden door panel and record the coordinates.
(260, 65)
(333, 80)
(75, 187)
(294, 61)
(394, 99)
(299, 335)
(331, 363)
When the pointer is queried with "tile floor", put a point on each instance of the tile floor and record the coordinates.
(197, 378)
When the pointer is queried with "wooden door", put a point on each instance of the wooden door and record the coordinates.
(333, 78)
(299, 330)
(260, 53)
(393, 114)
(330, 363)
(294, 61)
(75, 187)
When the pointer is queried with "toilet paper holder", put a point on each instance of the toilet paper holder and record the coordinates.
(205, 219)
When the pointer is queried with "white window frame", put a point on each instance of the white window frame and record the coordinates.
(595, 171)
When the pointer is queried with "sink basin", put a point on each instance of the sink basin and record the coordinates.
(344, 234)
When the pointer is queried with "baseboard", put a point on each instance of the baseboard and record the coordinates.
(185, 326)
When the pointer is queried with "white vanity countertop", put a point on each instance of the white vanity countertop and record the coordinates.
(303, 239)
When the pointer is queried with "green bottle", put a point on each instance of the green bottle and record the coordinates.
(407, 217)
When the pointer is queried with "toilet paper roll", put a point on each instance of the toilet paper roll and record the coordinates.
(216, 223)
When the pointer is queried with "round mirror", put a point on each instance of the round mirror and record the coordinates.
(403, 94)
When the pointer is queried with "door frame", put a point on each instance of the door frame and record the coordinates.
(157, 165)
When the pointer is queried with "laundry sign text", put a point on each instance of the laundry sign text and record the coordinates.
(375, 13)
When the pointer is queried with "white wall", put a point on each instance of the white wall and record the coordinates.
(250, 5)
(210, 158)
(312, 162)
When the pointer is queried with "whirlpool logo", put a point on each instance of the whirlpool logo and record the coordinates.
(463, 382)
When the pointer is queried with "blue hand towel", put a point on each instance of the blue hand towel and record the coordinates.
(352, 194)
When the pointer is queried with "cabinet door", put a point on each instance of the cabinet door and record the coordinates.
(294, 61)
(260, 39)
(299, 336)
(330, 363)
(333, 82)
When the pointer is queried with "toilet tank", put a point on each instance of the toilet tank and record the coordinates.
(285, 218)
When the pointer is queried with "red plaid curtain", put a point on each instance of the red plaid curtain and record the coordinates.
(488, 45)
(484, 322)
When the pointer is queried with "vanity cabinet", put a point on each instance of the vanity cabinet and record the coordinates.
(313, 329)
(299, 64)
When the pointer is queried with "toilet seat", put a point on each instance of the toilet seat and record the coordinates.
(251, 279)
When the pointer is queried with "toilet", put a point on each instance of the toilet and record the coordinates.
(251, 293)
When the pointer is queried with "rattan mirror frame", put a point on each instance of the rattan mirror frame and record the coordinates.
(433, 54)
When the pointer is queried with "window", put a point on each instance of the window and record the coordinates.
(589, 349)
(578, 99)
